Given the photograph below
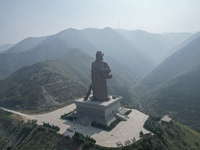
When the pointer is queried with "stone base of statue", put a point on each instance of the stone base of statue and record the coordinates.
(103, 112)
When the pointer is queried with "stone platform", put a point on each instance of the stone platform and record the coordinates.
(125, 130)
(99, 111)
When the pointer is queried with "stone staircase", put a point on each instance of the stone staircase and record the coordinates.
(84, 120)
(121, 117)
(122, 111)
(110, 119)
(122, 114)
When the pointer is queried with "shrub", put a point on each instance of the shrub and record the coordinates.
(55, 128)
(128, 112)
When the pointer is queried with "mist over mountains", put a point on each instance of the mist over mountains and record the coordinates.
(155, 46)
(184, 43)
(25, 44)
(178, 63)
(5, 47)
(89, 41)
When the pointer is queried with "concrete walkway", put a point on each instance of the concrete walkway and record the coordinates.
(125, 130)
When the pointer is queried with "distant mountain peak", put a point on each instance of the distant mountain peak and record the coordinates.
(107, 28)
(69, 30)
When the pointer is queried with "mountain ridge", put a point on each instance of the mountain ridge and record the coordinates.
(25, 44)
(57, 45)
(154, 45)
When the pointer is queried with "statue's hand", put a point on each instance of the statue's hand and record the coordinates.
(105, 72)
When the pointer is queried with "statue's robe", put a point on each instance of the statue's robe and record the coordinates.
(100, 71)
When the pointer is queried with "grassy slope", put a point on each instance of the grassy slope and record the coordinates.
(174, 136)
(179, 98)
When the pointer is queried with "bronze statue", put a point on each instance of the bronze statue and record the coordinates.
(100, 71)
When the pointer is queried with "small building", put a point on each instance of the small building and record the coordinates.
(166, 119)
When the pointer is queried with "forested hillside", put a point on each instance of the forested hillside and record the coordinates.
(173, 87)
(47, 84)
(179, 98)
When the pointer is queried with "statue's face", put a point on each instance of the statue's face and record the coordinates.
(98, 56)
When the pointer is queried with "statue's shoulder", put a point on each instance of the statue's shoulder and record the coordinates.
(104, 61)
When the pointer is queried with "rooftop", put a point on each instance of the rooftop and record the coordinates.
(166, 118)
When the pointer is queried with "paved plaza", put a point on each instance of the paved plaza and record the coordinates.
(125, 130)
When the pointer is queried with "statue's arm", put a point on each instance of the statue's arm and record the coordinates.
(105, 71)
(106, 67)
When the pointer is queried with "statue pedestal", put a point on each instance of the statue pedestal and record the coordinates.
(98, 111)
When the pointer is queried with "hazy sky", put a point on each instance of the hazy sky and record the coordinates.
(29, 18)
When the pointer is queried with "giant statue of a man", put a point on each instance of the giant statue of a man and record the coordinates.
(100, 72)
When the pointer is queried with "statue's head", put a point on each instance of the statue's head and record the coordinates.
(99, 56)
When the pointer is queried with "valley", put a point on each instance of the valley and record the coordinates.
(173, 87)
